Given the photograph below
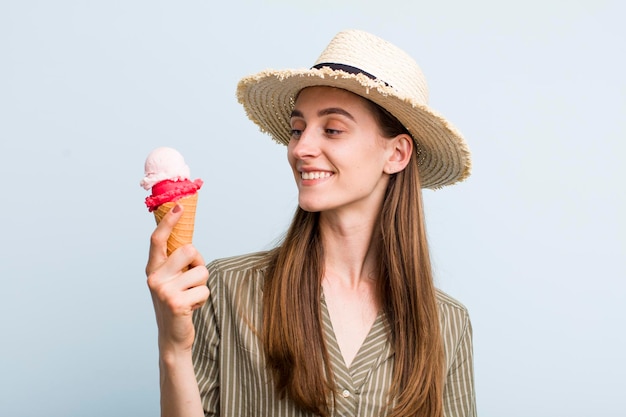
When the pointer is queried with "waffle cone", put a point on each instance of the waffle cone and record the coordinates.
(182, 233)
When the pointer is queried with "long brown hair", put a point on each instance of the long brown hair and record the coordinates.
(292, 333)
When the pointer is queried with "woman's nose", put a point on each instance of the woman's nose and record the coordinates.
(307, 145)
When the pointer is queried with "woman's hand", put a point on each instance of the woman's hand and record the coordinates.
(176, 291)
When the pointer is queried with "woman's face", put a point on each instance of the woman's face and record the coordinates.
(336, 152)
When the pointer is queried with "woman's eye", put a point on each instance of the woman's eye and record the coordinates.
(296, 133)
(333, 132)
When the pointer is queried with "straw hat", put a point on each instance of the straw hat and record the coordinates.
(373, 68)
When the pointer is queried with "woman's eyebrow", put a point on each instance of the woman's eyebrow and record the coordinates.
(335, 110)
(325, 112)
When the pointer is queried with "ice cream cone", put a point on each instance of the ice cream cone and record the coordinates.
(182, 233)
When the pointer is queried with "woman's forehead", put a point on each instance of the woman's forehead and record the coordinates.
(323, 96)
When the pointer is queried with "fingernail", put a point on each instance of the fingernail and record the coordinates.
(176, 208)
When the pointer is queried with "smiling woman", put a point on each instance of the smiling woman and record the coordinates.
(338, 154)
(342, 317)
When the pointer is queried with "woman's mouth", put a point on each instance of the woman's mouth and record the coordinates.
(315, 175)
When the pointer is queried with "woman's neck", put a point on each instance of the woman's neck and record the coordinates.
(350, 249)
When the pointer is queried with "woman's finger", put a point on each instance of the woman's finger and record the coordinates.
(158, 239)
(195, 277)
(183, 293)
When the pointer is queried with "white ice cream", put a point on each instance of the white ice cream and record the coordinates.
(164, 164)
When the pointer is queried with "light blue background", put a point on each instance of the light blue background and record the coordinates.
(534, 243)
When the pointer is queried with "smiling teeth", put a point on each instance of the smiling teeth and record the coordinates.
(315, 175)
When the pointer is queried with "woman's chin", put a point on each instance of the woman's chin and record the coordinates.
(311, 206)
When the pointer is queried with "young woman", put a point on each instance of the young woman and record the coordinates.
(342, 318)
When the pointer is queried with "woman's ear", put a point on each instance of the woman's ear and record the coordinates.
(401, 147)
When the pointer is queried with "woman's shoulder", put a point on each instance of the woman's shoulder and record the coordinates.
(241, 263)
(456, 327)
(446, 301)
(452, 313)
(237, 279)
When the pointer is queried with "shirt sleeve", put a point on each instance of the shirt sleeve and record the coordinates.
(206, 349)
(459, 399)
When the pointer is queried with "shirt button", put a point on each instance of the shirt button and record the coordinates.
(345, 393)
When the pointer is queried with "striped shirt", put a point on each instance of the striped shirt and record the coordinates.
(230, 365)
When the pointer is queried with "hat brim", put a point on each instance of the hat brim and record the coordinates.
(268, 99)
